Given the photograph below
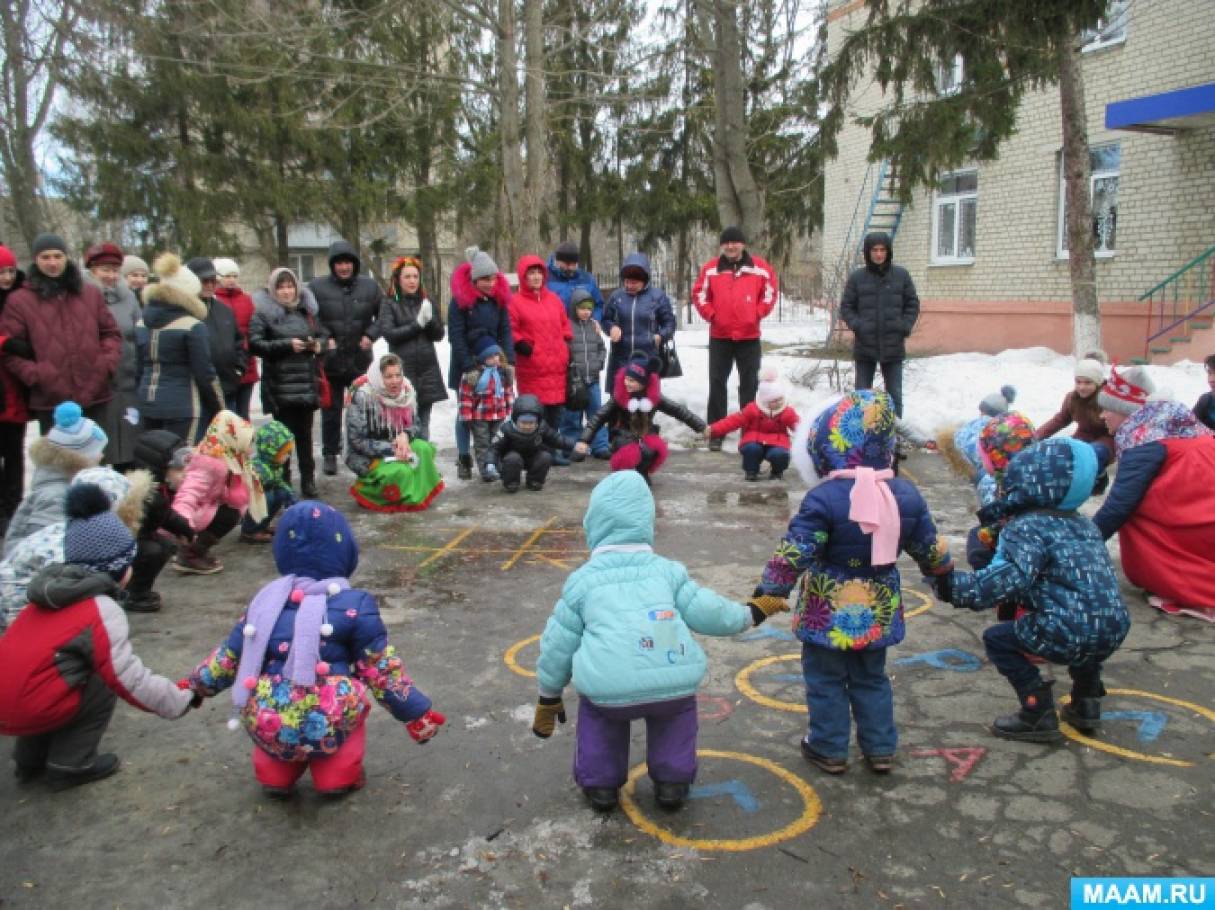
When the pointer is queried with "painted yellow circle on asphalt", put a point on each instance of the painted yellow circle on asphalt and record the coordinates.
(511, 657)
(1072, 733)
(812, 808)
(745, 686)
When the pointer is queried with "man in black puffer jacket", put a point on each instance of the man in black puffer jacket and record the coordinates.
(349, 303)
(880, 306)
(229, 347)
(524, 443)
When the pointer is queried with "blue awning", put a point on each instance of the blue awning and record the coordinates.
(1181, 109)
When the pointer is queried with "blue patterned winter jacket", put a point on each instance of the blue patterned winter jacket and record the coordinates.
(1052, 560)
(622, 627)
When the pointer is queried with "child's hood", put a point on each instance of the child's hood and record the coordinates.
(314, 540)
(1057, 473)
(621, 512)
(269, 441)
(60, 585)
(856, 431)
(652, 392)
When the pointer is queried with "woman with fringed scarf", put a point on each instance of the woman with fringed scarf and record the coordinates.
(395, 466)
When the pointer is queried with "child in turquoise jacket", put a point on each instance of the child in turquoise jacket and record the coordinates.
(622, 631)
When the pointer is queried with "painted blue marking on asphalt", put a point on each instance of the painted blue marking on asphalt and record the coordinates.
(788, 677)
(736, 789)
(1151, 723)
(945, 659)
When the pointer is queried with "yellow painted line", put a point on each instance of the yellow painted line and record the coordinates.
(743, 682)
(559, 552)
(511, 657)
(903, 472)
(535, 535)
(559, 563)
(928, 602)
(447, 547)
(812, 808)
(1072, 733)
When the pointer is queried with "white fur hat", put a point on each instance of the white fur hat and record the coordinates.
(771, 386)
(224, 267)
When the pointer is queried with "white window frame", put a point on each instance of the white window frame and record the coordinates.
(1110, 30)
(295, 262)
(1094, 176)
(957, 199)
(949, 76)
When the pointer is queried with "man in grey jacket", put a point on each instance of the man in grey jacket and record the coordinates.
(880, 306)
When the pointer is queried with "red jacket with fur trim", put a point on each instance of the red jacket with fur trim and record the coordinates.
(538, 322)
(758, 426)
(71, 630)
(734, 300)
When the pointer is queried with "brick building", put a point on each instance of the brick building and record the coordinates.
(986, 245)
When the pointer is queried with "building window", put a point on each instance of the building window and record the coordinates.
(1110, 28)
(1104, 162)
(303, 265)
(949, 76)
(954, 214)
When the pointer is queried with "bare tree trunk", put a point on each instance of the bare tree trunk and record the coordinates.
(1086, 315)
(512, 150)
(536, 221)
(740, 201)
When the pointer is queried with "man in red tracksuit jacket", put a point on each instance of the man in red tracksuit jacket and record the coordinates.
(733, 293)
(67, 657)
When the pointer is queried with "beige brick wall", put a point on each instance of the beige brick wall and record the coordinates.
(1166, 193)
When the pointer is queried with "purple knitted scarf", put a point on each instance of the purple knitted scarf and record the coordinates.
(260, 619)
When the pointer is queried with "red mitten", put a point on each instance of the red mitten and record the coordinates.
(425, 727)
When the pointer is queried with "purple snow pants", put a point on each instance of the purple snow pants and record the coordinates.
(601, 754)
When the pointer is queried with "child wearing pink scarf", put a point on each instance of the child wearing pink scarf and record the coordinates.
(843, 543)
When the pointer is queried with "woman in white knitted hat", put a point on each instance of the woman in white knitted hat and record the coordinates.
(1162, 503)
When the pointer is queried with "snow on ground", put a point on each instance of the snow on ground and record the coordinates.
(937, 391)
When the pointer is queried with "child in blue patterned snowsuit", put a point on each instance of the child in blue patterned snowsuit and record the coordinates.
(845, 538)
(1052, 560)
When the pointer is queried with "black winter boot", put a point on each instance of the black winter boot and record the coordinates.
(329, 464)
(1034, 723)
(464, 467)
(1084, 710)
(670, 795)
(602, 798)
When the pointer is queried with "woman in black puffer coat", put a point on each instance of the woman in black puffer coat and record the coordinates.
(288, 337)
(411, 324)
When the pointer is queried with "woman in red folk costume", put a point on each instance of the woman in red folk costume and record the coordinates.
(629, 416)
(1162, 501)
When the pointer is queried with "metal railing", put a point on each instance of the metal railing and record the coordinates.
(1186, 294)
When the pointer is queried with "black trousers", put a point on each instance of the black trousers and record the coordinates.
(73, 746)
(151, 555)
(514, 464)
(12, 468)
(892, 378)
(723, 356)
(299, 421)
(331, 417)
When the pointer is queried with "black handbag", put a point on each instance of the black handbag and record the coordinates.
(577, 395)
(671, 368)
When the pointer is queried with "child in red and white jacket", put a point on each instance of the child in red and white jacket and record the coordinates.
(220, 485)
(487, 394)
(67, 657)
(766, 425)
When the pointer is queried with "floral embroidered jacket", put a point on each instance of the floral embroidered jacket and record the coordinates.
(294, 722)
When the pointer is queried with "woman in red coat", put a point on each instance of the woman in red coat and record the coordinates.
(541, 331)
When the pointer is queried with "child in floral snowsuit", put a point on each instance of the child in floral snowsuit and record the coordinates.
(303, 658)
(846, 538)
(272, 446)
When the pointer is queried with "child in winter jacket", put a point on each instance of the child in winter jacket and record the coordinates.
(1204, 408)
(1052, 559)
(220, 485)
(1001, 439)
(587, 352)
(960, 445)
(272, 447)
(305, 656)
(1081, 408)
(629, 415)
(524, 443)
(164, 454)
(67, 656)
(846, 538)
(621, 631)
(486, 396)
(72, 444)
(127, 494)
(766, 424)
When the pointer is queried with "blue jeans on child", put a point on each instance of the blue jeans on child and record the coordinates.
(839, 680)
(277, 499)
(571, 421)
(1008, 655)
(755, 453)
